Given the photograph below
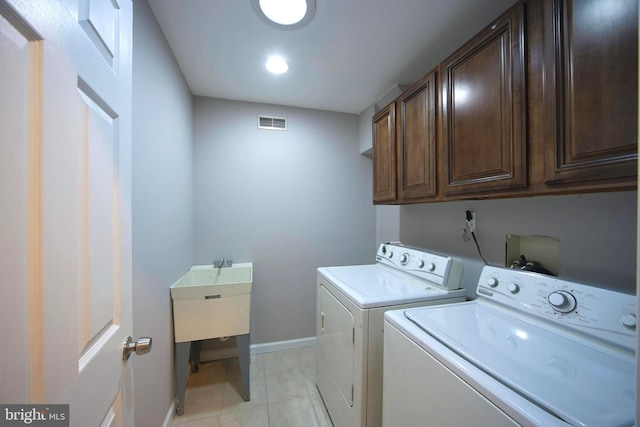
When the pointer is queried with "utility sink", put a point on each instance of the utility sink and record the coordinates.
(210, 302)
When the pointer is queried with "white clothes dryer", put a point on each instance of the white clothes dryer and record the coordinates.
(531, 350)
(350, 323)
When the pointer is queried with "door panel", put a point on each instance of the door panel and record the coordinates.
(592, 66)
(384, 155)
(99, 19)
(335, 343)
(74, 208)
(483, 121)
(417, 163)
(100, 214)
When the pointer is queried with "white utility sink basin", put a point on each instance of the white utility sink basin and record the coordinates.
(211, 302)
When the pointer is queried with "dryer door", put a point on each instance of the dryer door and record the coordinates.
(335, 341)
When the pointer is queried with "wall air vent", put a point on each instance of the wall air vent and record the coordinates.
(272, 123)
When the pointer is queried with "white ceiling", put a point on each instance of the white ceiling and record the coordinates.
(347, 57)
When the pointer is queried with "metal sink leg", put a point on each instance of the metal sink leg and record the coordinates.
(181, 365)
(242, 341)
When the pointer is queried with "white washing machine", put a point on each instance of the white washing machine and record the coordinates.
(350, 323)
(532, 350)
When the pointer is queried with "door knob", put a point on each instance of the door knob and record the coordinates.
(141, 346)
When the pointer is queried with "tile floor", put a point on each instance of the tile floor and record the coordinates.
(283, 393)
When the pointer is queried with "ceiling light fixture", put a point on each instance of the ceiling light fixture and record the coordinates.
(277, 65)
(285, 14)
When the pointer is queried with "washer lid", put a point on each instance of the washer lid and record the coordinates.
(376, 285)
(579, 382)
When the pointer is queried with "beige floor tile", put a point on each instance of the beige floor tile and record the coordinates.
(321, 411)
(307, 361)
(285, 386)
(209, 373)
(202, 402)
(204, 422)
(307, 356)
(256, 367)
(205, 392)
(257, 416)
(281, 361)
(283, 393)
(293, 413)
(233, 395)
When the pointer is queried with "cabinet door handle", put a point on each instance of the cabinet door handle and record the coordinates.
(322, 321)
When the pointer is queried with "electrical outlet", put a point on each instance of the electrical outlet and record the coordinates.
(470, 221)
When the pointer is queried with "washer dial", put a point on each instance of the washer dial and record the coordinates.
(404, 259)
(562, 301)
(628, 320)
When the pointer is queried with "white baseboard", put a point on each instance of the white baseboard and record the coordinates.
(170, 414)
(270, 347)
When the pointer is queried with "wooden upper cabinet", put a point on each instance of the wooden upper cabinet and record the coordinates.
(384, 155)
(483, 105)
(591, 92)
(417, 140)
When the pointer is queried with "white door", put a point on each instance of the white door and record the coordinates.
(65, 206)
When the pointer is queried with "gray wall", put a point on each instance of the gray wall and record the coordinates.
(597, 233)
(287, 201)
(162, 208)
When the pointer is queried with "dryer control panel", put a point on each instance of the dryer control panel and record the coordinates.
(589, 310)
(443, 271)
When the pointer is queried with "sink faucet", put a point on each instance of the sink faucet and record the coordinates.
(219, 263)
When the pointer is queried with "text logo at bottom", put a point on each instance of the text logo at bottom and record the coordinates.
(34, 415)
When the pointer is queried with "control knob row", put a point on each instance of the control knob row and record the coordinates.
(565, 302)
(512, 287)
(404, 260)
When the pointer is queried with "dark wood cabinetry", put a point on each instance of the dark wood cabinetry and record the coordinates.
(384, 155)
(591, 92)
(417, 140)
(544, 100)
(483, 121)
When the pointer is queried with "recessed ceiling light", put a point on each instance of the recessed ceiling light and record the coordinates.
(285, 14)
(277, 65)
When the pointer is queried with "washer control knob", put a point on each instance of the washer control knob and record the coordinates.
(404, 259)
(628, 320)
(493, 282)
(390, 254)
(513, 288)
(562, 301)
(431, 266)
(421, 264)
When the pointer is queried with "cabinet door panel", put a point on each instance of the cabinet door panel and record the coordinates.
(384, 155)
(484, 110)
(417, 163)
(591, 96)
